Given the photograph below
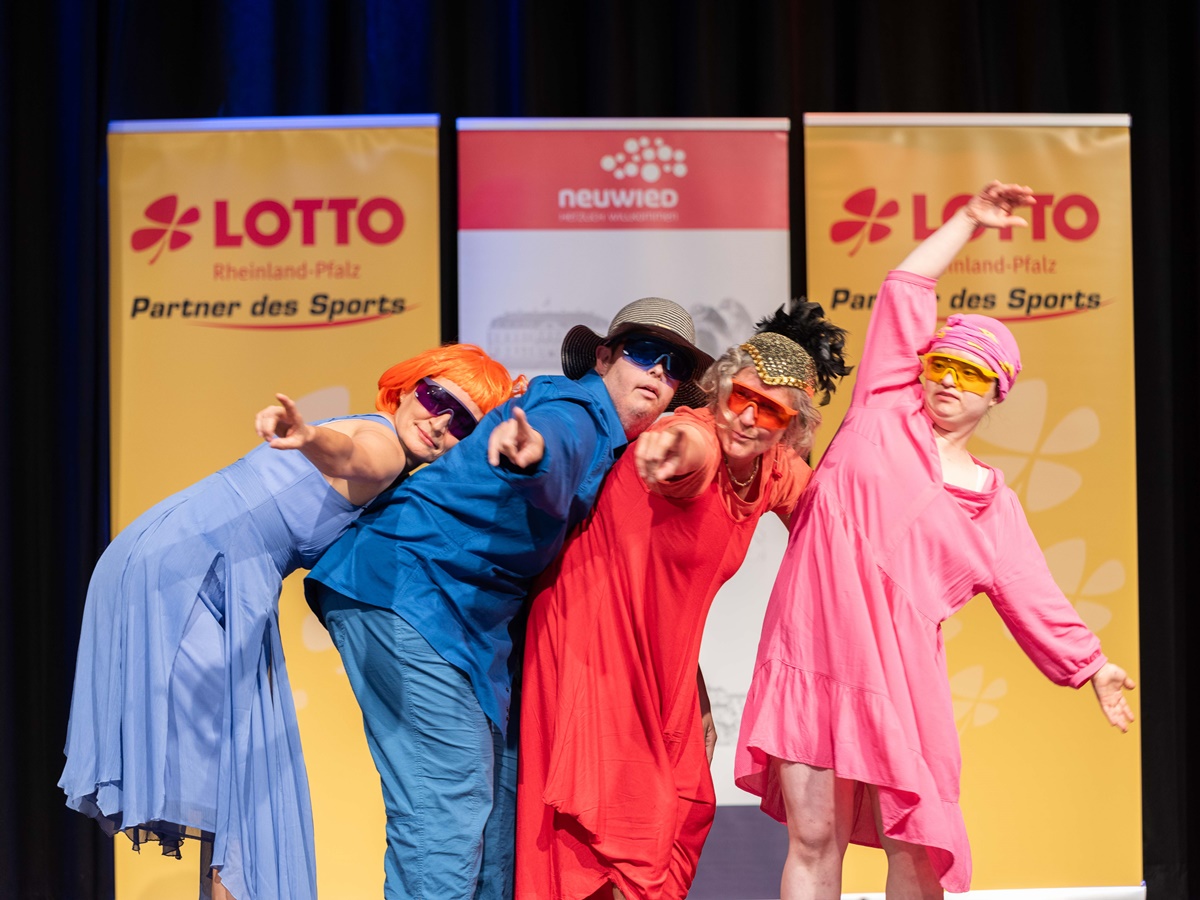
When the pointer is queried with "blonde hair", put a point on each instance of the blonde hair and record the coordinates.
(485, 380)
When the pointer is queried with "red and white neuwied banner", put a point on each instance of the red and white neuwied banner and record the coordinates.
(563, 222)
(638, 177)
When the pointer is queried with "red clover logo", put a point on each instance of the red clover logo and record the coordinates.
(866, 225)
(167, 233)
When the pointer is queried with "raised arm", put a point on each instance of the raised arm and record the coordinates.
(992, 207)
(905, 313)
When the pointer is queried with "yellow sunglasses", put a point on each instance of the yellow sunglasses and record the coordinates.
(968, 376)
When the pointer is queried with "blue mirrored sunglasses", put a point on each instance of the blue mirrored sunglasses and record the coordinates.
(646, 353)
(438, 401)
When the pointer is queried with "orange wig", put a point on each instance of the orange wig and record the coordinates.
(488, 382)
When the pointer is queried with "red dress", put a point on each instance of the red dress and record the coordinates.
(614, 783)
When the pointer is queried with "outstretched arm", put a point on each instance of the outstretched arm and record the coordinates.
(354, 449)
(1109, 682)
(992, 207)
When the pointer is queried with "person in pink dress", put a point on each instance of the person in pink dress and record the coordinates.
(614, 796)
(848, 733)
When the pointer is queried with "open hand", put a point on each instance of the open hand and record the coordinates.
(1108, 683)
(992, 207)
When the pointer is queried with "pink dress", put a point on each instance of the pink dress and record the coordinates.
(614, 783)
(851, 670)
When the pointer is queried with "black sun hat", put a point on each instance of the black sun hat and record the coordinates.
(650, 316)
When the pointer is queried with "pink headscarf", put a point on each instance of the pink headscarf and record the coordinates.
(985, 337)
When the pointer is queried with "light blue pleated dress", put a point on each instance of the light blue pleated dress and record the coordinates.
(182, 721)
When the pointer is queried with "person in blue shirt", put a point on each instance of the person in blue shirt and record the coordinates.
(420, 593)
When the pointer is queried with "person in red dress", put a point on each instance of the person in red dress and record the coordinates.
(614, 796)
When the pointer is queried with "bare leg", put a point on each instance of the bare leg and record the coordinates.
(910, 874)
(820, 809)
(219, 892)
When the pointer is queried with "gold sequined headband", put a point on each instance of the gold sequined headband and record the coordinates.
(780, 360)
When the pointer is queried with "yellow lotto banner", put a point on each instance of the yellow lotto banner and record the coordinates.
(250, 257)
(1050, 792)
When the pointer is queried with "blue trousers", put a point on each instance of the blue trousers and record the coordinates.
(448, 776)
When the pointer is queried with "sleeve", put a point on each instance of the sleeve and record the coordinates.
(1040, 617)
(902, 322)
(789, 478)
(692, 484)
(573, 440)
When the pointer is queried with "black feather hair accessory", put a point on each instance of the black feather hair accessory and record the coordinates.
(820, 361)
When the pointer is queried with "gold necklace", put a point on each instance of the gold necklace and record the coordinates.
(749, 478)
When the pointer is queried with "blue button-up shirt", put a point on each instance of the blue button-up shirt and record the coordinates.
(453, 549)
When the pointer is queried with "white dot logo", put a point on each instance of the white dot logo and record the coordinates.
(650, 159)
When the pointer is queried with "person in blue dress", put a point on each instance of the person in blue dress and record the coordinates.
(182, 721)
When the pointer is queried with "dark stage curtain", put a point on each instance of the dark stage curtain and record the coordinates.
(68, 67)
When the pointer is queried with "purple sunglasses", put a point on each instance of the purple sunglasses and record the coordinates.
(439, 401)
